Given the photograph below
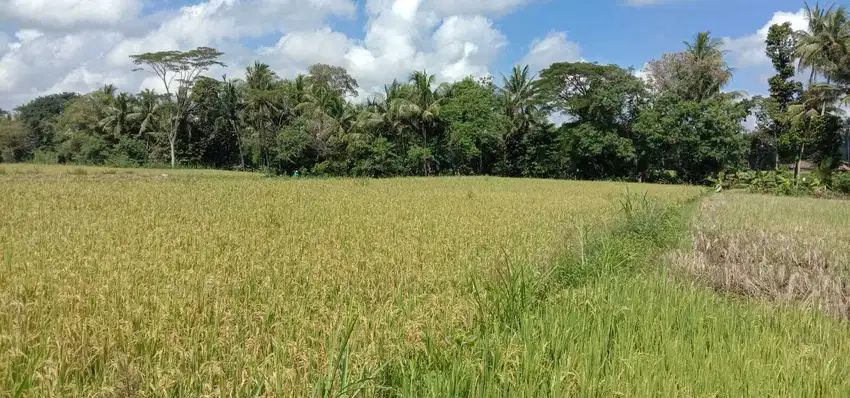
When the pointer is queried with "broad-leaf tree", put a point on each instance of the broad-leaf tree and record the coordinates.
(178, 71)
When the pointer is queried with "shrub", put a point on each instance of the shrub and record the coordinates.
(841, 183)
(79, 171)
(45, 157)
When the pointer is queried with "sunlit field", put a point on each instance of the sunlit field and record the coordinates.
(142, 281)
(778, 248)
(127, 282)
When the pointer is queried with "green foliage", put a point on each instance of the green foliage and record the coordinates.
(474, 127)
(45, 157)
(841, 183)
(677, 126)
(696, 74)
(38, 116)
(694, 139)
(597, 153)
(822, 183)
(605, 101)
(334, 78)
(13, 141)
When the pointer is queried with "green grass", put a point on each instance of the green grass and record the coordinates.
(218, 283)
(629, 330)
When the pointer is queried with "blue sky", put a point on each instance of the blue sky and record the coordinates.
(79, 45)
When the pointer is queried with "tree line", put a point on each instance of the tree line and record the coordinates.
(675, 124)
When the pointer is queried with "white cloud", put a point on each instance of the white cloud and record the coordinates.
(452, 7)
(36, 62)
(466, 46)
(25, 35)
(69, 13)
(297, 50)
(642, 73)
(401, 36)
(553, 48)
(750, 50)
(80, 45)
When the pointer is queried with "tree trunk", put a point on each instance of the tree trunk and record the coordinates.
(799, 162)
(425, 140)
(171, 142)
(239, 144)
(823, 106)
(775, 151)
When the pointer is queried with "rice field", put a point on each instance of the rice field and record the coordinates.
(780, 249)
(180, 283)
(126, 282)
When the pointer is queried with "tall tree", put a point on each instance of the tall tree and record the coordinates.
(38, 116)
(118, 113)
(823, 49)
(474, 125)
(521, 104)
(604, 101)
(695, 74)
(178, 71)
(335, 78)
(232, 114)
(422, 110)
(264, 109)
(774, 123)
(707, 70)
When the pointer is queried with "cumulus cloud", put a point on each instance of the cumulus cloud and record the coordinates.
(747, 53)
(80, 45)
(453, 7)
(553, 48)
(750, 50)
(36, 61)
(401, 36)
(69, 13)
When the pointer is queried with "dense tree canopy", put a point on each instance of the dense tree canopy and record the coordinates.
(677, 124)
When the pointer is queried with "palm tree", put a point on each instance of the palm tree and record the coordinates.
(824, 49)
(708, 71)
(232, 112)
(147, 109)
(117, 114)
(315, 105)
(814, 104)
(380, 114)
(520, 96)
(109, 89)
(520, 101)
(262, 105)
(422, 107)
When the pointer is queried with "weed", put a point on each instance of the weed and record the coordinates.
(79, 171)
